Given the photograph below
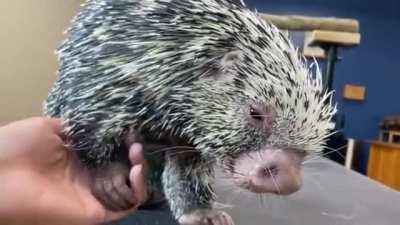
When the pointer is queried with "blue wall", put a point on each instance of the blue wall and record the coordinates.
(375, 64)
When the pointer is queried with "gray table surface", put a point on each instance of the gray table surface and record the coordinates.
(331, 195)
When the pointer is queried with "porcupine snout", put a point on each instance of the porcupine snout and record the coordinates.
(275, 171)
(269, 169)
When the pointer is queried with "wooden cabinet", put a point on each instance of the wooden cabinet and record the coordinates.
(384, 163)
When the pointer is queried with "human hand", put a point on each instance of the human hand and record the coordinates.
(42, 181)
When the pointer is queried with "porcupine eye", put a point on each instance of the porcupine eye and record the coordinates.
(256, 115)
(263, 118)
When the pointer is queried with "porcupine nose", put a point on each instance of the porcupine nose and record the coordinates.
(270, 171)
(278, 176)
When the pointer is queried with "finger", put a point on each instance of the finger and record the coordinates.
(135, 154)
(138, 183)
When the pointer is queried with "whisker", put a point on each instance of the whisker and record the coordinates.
(259, 155)
(337, 151)
(266, 116)
(236, 172)
(171, 148)
(261, 200)
(313, 179)
(241, 174)
(248, 155)
(274, 181)
(238, 194)
(182, 152)
(326, 153)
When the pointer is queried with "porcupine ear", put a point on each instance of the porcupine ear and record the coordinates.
(220, 70)
(230, 59)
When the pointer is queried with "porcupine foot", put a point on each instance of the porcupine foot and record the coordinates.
(112, 188)
(188, 188)
(206, 217)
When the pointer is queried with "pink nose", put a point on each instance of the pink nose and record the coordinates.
(269, 171)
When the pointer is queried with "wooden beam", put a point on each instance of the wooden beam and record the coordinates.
(312, 51)
(342, 39)
(306, 23)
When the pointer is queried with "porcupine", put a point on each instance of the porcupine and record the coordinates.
(209, 74)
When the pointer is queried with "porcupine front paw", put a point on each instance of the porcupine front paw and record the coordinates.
(206, 217)
(111, 187)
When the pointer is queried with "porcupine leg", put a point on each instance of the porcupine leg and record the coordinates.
(187, 187)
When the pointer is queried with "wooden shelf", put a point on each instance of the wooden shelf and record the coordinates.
(384, 163)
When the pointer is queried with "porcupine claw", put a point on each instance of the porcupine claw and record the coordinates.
(206, 217)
